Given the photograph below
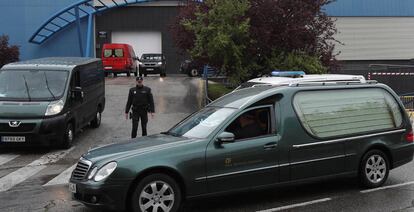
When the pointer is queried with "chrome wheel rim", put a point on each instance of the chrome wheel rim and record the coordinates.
(70, 135)
(375, 168)
(194, 72)
(156, 196)
(98, 118)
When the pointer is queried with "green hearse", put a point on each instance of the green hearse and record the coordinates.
(46, 101)
(250, 139)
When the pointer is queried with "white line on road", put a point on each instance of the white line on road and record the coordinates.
(9, 181)
(296, 205)
(62, 178)
(7, 157)
(387, 187)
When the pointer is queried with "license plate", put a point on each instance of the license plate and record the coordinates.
(150, 69)
(108, 67)
(16, 139)
(72, 187)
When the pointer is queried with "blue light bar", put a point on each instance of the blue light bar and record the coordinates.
(280, 73)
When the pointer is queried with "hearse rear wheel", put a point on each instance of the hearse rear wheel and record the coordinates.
(156, 192)
(374, 169)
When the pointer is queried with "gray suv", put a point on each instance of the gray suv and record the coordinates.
(152, 64)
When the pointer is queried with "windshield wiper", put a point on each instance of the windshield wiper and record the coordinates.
(47, 86)
(27, 88)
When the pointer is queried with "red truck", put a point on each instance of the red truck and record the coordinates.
(119, 58)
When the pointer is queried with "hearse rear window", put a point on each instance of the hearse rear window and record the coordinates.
(345, 112)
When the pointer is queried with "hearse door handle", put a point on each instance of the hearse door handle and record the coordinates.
(270, 146)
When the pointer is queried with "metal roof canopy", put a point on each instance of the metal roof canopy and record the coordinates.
(74, 13)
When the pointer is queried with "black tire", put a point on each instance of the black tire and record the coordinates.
(68, 136)
(374, 169)
(193, 72)
(128, 73)
(115, 74)
(96, 122)
(136, 72)
(106, 74)
(173, 191)
(145, 74)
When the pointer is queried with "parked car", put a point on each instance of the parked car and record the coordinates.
(47, 101)
(194, 69)
(152, 64)
(278, 78)
(119, 58)
(191, 68)
(250, 139)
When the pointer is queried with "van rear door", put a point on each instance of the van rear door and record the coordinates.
(113, 59)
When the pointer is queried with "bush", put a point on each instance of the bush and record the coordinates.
(216, 90)
(8, 54)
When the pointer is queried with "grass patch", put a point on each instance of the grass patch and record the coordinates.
(216, 90)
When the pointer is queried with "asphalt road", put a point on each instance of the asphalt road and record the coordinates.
(35, 179)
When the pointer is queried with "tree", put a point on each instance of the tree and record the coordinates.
(276, 33)
(221, 35)
(8, 53)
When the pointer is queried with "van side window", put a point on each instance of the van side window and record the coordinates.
(89, 75)
(251, 124)
(345, 112)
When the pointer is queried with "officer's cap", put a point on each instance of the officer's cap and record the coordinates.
(139, 78)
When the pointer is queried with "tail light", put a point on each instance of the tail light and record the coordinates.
(409, 137)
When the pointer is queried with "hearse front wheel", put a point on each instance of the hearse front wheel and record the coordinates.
(374, 169)
(156, 192)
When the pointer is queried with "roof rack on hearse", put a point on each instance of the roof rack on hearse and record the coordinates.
(332, 83)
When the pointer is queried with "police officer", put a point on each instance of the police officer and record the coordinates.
(142, 102)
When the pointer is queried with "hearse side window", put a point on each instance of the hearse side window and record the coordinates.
(346, 112)
(251, 124)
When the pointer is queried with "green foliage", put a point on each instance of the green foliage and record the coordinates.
(295, 61)
(222, 36)
(216, 90)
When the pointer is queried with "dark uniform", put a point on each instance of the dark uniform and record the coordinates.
(142, 102)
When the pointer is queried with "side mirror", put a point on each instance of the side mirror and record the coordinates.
(78, 93)
(226, 137)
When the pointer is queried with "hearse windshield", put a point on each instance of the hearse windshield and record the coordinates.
(201, 123)
(32, 85)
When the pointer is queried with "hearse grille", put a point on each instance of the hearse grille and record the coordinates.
(81, 169)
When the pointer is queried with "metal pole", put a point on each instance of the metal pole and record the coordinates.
(89, 38)
(78, 24)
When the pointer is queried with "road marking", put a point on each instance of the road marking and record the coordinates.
(9, 181)
(296, 205)
(7, 157)
(387, 187)
(62, 178)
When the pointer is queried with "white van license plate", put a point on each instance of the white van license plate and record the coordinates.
(72, 187)
(108, 67)
(16, 139)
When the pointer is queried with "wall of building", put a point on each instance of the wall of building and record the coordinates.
(21, 18)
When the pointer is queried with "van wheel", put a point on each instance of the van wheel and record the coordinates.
(156, 192)
(115, 74)
(96, 122)
(193, 72)
(374, 169)
(136, 72)
(106, 74)
(128, 73)
(68, 136)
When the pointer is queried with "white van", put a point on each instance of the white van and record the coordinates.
(293, 77)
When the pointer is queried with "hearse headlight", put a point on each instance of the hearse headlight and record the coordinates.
(92, 173)
(105, 171)
(54, 108)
